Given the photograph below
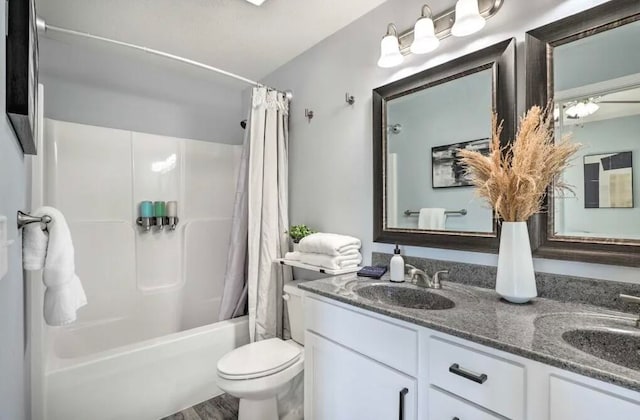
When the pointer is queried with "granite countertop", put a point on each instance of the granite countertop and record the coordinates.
(533, 330)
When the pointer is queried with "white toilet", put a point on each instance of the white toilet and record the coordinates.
(257, 372)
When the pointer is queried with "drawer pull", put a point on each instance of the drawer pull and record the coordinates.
(457, 370)
(402, 393)
(455, 418)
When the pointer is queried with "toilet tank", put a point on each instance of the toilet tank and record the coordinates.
(294, 298)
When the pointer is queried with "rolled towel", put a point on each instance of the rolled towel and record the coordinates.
(335, 262)
(432, 219)
(64, 294)
(34, 245)
(329, 244)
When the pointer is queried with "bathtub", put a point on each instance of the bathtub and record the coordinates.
(146, 380)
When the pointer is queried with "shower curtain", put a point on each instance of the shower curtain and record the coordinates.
(260, 220)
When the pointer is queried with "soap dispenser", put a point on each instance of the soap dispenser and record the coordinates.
(396, 268)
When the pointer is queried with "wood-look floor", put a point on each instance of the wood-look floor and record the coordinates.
(224, 407)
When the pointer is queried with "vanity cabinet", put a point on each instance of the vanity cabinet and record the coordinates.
(345, 385)
(358, 364)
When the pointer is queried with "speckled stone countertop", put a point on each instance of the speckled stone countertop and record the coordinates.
(533, 330)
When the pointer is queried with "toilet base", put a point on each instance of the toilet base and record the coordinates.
(258, 409)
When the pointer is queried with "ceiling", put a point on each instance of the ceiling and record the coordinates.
(231, 34)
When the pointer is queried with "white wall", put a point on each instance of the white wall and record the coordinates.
(13, 197)
(331, 156)
(90, 83)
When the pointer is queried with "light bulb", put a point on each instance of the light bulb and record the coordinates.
(468, 19)
(390, 55)
(424, 37)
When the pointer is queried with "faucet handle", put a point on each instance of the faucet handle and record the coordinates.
(437, 274)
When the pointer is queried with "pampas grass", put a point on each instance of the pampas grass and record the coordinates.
(514, 178)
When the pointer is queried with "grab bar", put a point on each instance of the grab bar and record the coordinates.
(462, 212)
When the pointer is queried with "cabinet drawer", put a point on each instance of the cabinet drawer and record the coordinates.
(388, 343)
(488, 381)
(444, 406)
(573, 401)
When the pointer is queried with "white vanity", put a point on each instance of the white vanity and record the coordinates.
(359, 363)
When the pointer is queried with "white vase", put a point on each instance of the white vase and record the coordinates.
(295, 246)
(516, 281)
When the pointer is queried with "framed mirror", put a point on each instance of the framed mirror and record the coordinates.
(421, 194)
(589, 66)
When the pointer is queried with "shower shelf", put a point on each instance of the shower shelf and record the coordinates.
(323, 270)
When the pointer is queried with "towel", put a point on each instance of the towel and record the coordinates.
(64, 294)
(335, 262)
(329, 244)
(432, 219)
(34, 246)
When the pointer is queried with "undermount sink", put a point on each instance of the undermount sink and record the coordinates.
(621, 347)
(405, 297)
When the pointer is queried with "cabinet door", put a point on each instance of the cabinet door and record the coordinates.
(341, 384)
(573, 401)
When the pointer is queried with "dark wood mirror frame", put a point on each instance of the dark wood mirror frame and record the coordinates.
(539, 91)
(501, 58)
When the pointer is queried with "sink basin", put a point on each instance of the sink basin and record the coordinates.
(618, 346)
(404, 297)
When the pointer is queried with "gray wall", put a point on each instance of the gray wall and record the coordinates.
(13, 193)
(600, 137)
(449, 113)
(330, 157)
(90, 83)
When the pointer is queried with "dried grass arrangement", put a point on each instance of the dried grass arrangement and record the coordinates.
(514, 178)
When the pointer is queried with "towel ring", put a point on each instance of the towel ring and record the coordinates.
(24, 219)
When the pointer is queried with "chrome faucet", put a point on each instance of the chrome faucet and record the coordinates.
(422, 279)
(632, 299)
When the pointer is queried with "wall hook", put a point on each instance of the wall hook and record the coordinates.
(309, 114)
(350, 99)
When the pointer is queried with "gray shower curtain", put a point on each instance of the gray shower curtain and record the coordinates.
(260, 220)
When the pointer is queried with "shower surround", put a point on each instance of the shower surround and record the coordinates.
(147, 343)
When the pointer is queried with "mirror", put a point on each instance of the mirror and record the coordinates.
(422, 195)
(593, 77)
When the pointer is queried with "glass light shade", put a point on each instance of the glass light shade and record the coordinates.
(390, 55)
(582, 109)
(424, 37)
(468, 19)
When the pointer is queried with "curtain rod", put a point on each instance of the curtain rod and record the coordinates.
(44, 27)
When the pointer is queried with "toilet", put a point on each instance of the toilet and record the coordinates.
(255, 373)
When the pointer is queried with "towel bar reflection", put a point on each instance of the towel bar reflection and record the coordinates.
(25, 219)
(462, 212)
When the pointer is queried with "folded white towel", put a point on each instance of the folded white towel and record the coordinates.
(64, 294)
(292, 256)
(329, 244)
(432, 219)
(34, 245)
(334, 262)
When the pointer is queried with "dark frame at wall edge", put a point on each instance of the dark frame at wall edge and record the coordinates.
(501, 55)
(539, 45)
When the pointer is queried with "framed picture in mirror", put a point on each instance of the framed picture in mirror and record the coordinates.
(447, 170)
(588, 66)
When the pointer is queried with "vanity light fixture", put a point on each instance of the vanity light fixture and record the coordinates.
(424, 35)
(390, 55)
(468, 18)
(581, 109)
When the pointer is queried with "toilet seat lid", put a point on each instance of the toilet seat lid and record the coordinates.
(259, 359)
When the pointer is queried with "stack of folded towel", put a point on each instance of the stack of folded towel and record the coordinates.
(328, 250)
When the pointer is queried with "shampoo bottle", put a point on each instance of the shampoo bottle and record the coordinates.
(396, 267)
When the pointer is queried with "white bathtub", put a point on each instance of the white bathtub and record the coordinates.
(143, 381)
